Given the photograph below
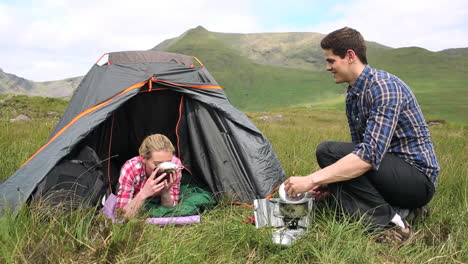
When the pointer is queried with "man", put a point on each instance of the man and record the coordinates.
(391, 163)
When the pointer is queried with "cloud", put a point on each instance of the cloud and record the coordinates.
(84, 30)
(434, 25)
(55, 39)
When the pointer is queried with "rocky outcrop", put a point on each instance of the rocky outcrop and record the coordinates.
(21, 118)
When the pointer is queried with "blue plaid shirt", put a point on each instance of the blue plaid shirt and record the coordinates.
(384, 116)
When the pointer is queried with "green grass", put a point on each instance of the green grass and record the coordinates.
(18, 141)
(222, 237)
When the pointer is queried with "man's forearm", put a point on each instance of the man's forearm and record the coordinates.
(346, 168)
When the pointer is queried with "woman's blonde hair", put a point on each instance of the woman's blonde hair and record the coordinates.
(155, 142)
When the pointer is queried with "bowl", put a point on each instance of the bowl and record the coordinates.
(299, 198)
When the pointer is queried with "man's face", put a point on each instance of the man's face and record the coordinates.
(340, 68)
(156, 158)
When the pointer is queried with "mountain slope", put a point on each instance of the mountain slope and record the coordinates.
(438, 80)
(261, 71)
(271, 70)
(296, 50)
(459, 51)
(12, 84)
(250, 85)
(300, 50)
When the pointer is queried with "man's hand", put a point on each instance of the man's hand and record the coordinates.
(345, 169)
(298, 184)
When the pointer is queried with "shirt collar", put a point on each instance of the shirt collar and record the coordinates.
(361, 81)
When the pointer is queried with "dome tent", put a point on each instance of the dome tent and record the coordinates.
(138, 93)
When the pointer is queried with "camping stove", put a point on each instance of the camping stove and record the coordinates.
(288, 217)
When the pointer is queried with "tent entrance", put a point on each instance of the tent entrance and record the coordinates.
(118, 138)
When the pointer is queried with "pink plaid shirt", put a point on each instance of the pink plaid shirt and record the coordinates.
(133, 178)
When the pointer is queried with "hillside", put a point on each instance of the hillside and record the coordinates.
(262, 71)
(12, 84)
(459, 51)
(268, 70)
(250, 85)
(299, 50)
(438, 80)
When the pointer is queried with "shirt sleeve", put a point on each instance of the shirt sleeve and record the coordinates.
(383, 118)
(126, 186)
(175, 190)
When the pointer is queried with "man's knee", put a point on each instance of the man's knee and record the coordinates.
(328, 152)
(323, 147)
(323, 154)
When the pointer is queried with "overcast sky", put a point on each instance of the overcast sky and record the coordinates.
(44, 40)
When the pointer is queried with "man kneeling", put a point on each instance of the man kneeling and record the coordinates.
(391, 162)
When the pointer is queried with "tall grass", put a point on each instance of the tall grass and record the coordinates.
(222, 236)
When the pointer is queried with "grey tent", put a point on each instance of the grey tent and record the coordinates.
(138, 93)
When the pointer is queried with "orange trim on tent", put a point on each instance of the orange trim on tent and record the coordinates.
(181, 107)
(102, 57)
(272, 192)
(109, 152)
(193, 86)
(266, 197)
(199, 61)
(84, 113)
(138, 85)
(155, 89)
(152, 79)
(178, 123)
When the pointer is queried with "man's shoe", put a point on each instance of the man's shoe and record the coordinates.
(395, 233)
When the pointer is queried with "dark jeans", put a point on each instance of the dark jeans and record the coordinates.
(375, 194)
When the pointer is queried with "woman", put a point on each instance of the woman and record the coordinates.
(138, 180)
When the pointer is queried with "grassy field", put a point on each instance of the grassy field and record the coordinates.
(222, 237)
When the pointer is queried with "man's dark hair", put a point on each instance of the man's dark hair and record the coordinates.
(344, 39)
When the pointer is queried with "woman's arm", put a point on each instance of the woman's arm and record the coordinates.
(153, 187)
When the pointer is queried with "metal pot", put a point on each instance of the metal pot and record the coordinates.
(296, 210)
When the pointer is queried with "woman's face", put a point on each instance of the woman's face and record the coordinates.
(156, 158)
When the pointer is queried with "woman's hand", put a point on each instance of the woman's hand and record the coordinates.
(170, 180)
(155, 186)
(166, 198)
